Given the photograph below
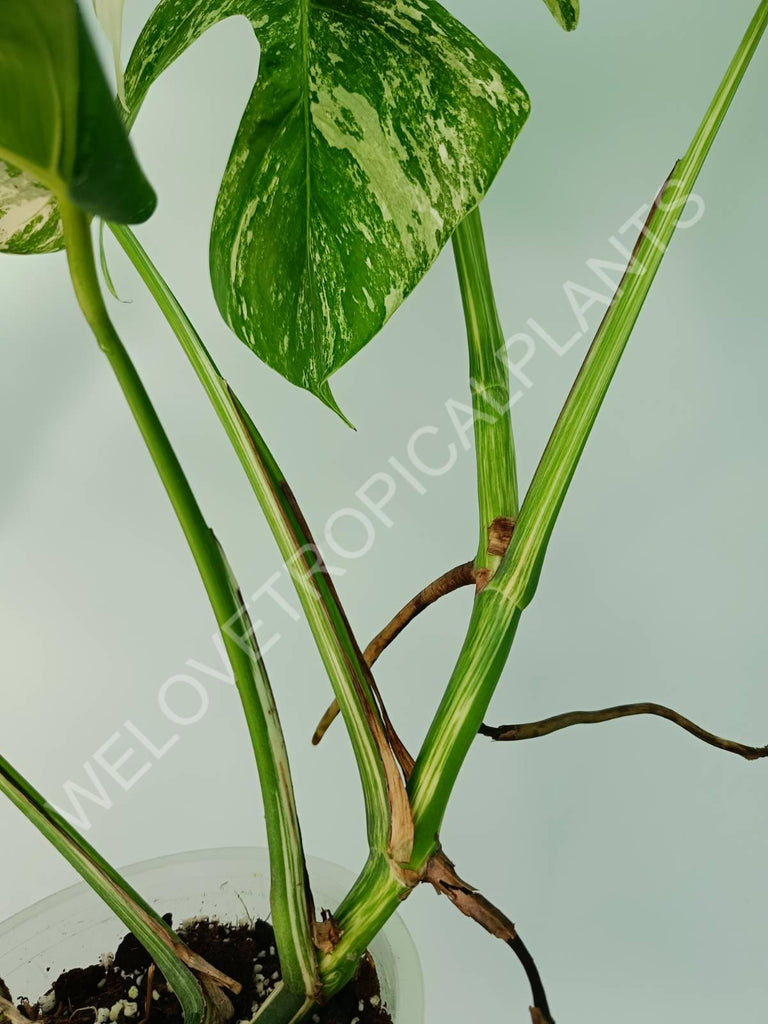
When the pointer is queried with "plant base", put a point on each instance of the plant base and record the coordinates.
(128, 989)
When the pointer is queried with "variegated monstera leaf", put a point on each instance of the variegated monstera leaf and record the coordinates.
(374, 127)
(29, 215)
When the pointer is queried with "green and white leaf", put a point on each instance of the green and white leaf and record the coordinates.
(196, 983)
(373, 128)
(29, 214)
(59, 126)
(110, 15)
(565, 12)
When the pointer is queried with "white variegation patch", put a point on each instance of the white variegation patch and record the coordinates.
(29, 216)
(110, 15)
(348, 121)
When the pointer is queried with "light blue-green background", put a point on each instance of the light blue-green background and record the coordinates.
(632, 858)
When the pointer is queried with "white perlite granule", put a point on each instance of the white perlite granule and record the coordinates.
(47, 1003)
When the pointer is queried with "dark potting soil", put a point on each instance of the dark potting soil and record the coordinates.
(129, 989)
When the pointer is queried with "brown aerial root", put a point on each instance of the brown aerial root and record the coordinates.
(460, 576)
(545, 727)
(441, 874)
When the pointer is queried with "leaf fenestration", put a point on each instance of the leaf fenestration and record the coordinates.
(373, 128)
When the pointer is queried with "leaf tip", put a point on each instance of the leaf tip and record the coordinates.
(325, 395)
(565, 13)
(104, 264)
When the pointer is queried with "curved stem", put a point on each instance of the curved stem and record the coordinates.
(291, 903)
(489, 384)
(533, 730)
(387, 812)
(460, 576)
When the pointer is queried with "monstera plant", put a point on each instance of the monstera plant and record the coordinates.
(373, 132)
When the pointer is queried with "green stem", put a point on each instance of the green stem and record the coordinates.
(343, 660)
(373, 899)
(519, 575)
(498, 607)
(489, 382)
(387, 809)
(291, 908)
(481, 661)
(378, 891)
(377, 894)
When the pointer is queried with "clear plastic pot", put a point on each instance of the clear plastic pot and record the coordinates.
(73, 927)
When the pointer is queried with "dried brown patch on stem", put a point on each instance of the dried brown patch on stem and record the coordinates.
(326, 934)
(460, 576)
(499, 537)
(404, 758)
(401, 827)
(545, 727)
